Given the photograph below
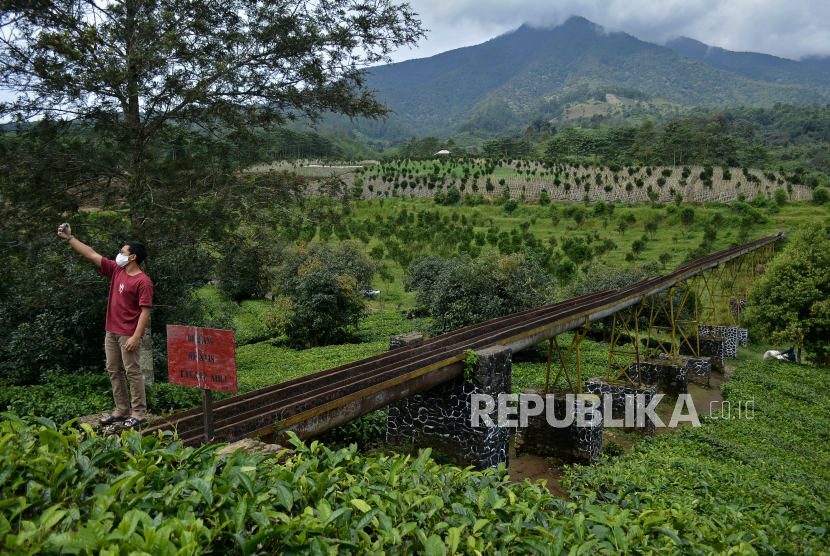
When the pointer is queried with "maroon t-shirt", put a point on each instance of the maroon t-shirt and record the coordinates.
(127, 295)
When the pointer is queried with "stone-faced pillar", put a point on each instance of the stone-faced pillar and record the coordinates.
(569, 429)
(698, 369)
(712, 348)
(441, 416)
(398, 429)
(672, 379)
(625, 401)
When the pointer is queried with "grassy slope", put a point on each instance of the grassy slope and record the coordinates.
(671, 236)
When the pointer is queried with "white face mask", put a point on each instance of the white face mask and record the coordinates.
(122, 260)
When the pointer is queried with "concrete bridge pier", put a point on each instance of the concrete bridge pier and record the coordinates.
(569, 429)
(440, 417)
(712, 349)
(626, 402)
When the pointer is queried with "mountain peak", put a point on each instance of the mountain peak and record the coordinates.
(535, 71)
(573, 23)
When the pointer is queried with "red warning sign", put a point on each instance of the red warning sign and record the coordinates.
(201, 357)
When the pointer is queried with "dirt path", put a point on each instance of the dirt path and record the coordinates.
(533, 467)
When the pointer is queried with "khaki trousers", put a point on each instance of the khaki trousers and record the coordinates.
(118, 361)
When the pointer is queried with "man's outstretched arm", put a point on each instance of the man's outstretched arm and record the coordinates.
(65, 232)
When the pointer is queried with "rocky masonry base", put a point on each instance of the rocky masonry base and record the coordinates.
(570, 444)
(698, 369)
(712, 348)
(733, 337)
(672, 379)
(618, 392)
(440, 417)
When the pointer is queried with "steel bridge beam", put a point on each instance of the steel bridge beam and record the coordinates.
(318, 402)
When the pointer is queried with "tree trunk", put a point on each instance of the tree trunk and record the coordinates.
(146, 358)
(798, 356)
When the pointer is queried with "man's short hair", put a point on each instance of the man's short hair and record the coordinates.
(137, 248)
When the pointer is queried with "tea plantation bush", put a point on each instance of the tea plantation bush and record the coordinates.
(61, 492)
(751, 486)
(762, 482)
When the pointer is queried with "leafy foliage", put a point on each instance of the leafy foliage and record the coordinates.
(790, 303)
(746, 486)
(325, 285)
(462, 291)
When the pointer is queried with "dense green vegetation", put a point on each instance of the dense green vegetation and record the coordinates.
(760, 67)
(506, 83)
(790, 303)
(748, 485)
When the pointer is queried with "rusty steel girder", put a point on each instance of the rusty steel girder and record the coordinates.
(315, 403)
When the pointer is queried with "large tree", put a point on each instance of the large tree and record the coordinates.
(129, 67)
(790, 303)
(136, 118)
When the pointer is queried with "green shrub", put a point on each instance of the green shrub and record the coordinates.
(453, 196)
(612, 448)
(243, 266)
(463, 291)
(327, 309)
(742, 486)
(687, 216)
(324, 284)
(821, 196)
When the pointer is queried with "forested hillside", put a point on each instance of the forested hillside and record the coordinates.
(761, 67)
(509, 80)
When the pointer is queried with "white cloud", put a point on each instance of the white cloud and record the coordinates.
(790, 29)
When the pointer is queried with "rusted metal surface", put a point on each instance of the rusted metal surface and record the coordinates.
(201, 357)
(318, 402)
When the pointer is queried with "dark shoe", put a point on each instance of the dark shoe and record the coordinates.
(109, 420)
(132, 423)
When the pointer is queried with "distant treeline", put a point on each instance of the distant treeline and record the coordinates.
(792, 139)
(286, 143)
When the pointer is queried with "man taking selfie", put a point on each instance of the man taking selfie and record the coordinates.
(128, 310)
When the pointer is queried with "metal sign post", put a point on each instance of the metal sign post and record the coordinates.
(207, 413)
(203, 358)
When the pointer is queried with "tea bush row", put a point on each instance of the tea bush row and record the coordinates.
(763, 478)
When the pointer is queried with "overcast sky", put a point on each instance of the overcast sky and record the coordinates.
(786, 28)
